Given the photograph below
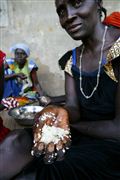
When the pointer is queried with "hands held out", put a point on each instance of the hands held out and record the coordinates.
(21, 76)
(51, 134)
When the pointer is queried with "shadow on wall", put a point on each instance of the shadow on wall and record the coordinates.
(52, 84)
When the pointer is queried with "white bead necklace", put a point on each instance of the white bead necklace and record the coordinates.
(99, 68)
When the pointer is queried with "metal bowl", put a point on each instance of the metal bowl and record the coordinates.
(25, 115)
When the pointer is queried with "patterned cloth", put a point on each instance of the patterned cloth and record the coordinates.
(10, 102)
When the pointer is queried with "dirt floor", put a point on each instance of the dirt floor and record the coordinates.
(8, 121)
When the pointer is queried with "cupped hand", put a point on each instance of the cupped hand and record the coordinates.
(51, 134)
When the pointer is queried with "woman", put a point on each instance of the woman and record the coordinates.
(92, 103)
(21, 78)
(20, 74)
(92, 86)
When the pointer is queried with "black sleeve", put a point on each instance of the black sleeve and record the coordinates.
(63, 60)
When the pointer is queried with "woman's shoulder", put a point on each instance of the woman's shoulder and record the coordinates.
(32, 64)
(63, 60)
(68, 56)
(114, 51)
(9, 60)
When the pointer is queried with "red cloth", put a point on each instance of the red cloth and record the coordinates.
(113, 19)
(2, 57)
(3, 130)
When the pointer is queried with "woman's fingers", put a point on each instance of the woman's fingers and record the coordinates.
(60, 151)
(38, 149)
(67, 142)
(49, 156)
(62, 147)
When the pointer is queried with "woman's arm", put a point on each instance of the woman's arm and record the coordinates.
(103, 129)
(10, 76)
(72, 103)
(57, 99)
(36, 84)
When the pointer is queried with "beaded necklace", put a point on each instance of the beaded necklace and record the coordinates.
(99, 68)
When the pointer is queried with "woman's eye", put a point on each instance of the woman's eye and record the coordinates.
(77, 3)
(61, 12)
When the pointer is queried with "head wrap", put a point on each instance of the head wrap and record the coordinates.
(113, 19)
(2, 57)
(20, 46)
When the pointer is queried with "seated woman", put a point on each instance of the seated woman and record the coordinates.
(21, 74)
(21, 78)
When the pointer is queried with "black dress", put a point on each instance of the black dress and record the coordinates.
(88, 158)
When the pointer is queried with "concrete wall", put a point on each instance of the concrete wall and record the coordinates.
(35, 22)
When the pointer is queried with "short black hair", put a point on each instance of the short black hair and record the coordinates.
(102, 10)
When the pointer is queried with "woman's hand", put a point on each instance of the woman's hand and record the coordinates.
(51, 134)
(21, 76)
(44, 100)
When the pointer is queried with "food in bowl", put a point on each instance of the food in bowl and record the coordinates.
(25, 115)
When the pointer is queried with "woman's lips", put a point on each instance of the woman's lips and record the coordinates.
(74, 28)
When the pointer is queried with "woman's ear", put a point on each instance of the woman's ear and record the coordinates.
(100, 4)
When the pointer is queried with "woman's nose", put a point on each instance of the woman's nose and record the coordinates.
(70, 12)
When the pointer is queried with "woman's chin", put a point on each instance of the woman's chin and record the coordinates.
(75, 36)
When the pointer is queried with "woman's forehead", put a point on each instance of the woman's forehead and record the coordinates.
(58, 2)
(20, 50)
(62, 1)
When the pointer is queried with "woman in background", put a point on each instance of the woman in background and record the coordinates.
(21, 74)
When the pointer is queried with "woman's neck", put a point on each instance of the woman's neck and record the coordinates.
(94, 40)
(21, 65)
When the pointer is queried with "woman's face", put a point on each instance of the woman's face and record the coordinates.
(20, 56)
(78, 17)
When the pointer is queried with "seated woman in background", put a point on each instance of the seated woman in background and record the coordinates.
(21, 78)
(21, 74)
